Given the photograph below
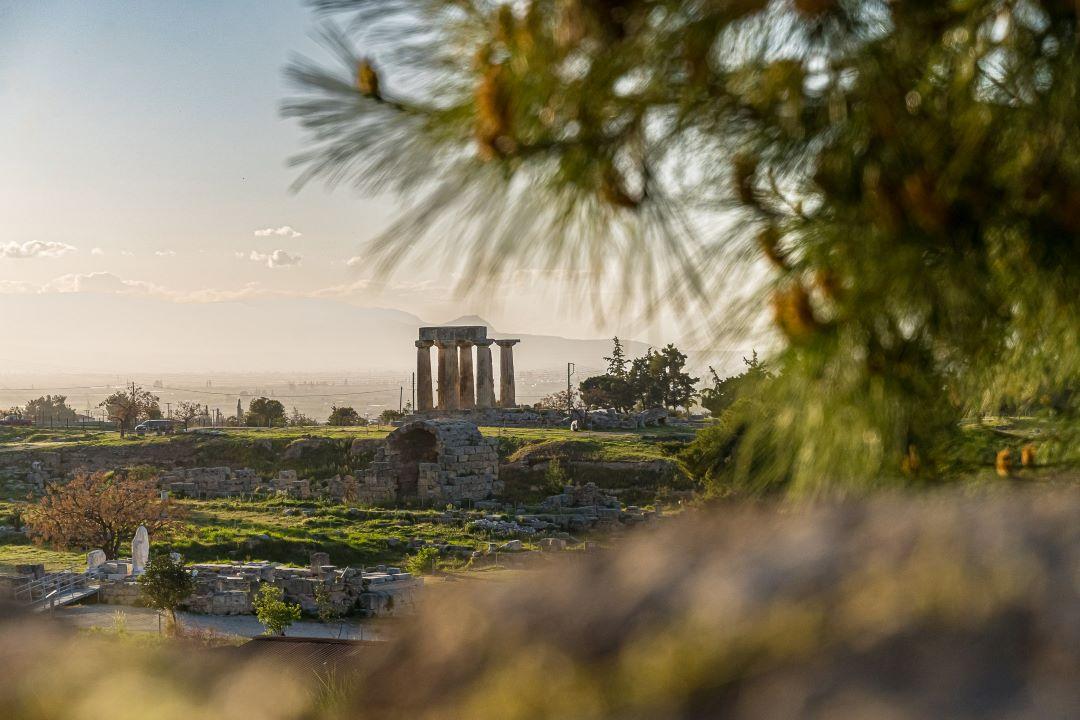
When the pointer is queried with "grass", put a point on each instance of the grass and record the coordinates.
(31, 554)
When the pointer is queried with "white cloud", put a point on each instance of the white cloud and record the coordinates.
(283, 231)
(278, 258)
(97, 251)
(100, 282)
(16, 287)
(356, 261)
(35, 248)
(165, 253)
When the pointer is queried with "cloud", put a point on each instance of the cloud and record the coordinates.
(356, 261)
(97, 251)
(165, 253)
(100, 282)
(283, 231)
(16, 287)
(276, 259)
(35, 248)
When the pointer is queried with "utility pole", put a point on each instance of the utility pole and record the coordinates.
(400, 396)
(570, 370)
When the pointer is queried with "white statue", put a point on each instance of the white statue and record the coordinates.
(94, 559)
(140, 550)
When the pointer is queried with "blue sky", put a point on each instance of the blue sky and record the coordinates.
(143, 154)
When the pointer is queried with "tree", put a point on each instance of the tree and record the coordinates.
(127, 407)
(561, 400)
(607, 391)
(101, 510)
(905, 170)
(272, 611)
(50, 410)
(166, 584)
(344, 416)
(299, 419)
(423, 562)
(264, 412)
(617, 362)
(724, 392)
(678, 386)
(186, 411)
(388, 416)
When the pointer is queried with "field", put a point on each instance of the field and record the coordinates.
(285, 530)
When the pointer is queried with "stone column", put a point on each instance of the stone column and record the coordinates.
(485, 378)
(507, 386)
(423, 376)
(448, 376)
(466, 388)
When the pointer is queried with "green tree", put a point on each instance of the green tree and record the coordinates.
(607, 391)
(344, 416)
(724, 392)
(907, 171)
(423, 561)
(617, 362)
(50, 410)
(166, 584)
(272, 611)
(264, 412)
(390, 416)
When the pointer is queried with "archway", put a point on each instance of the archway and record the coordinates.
(412, 448)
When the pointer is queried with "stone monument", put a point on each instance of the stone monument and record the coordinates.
(140, 550)
(94, 560)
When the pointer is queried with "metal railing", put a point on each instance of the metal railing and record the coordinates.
(44, 592)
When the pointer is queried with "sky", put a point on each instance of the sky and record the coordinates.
(143, 157)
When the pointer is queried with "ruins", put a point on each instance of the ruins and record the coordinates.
(441, 460)
(462, 384)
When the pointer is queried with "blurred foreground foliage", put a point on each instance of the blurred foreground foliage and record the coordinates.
(940, 605)
(899, 182)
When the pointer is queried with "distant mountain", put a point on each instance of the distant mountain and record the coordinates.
(128, 333)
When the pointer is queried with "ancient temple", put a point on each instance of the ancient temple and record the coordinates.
(462, 383)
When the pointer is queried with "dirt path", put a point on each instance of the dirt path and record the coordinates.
(146, 620)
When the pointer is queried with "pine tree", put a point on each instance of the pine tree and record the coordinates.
(907, 170)
(617, 362)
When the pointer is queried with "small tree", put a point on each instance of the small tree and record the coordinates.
(166, 583)
(343, 416)
(617, 363)
(102, 510)
(272, 611)
(125, 407)
(299, 419)
(187, 411)
(264, 412)
(390, 416)
(423, 561)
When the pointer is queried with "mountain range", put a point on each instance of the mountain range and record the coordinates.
(90, 332)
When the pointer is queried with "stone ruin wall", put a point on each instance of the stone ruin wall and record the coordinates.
(231, 589)
(465, 464)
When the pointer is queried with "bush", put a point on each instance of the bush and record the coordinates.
(423, 562)
(273, 612)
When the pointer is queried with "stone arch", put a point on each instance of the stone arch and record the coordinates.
(412, 446)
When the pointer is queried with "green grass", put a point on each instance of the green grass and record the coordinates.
(30, 554)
